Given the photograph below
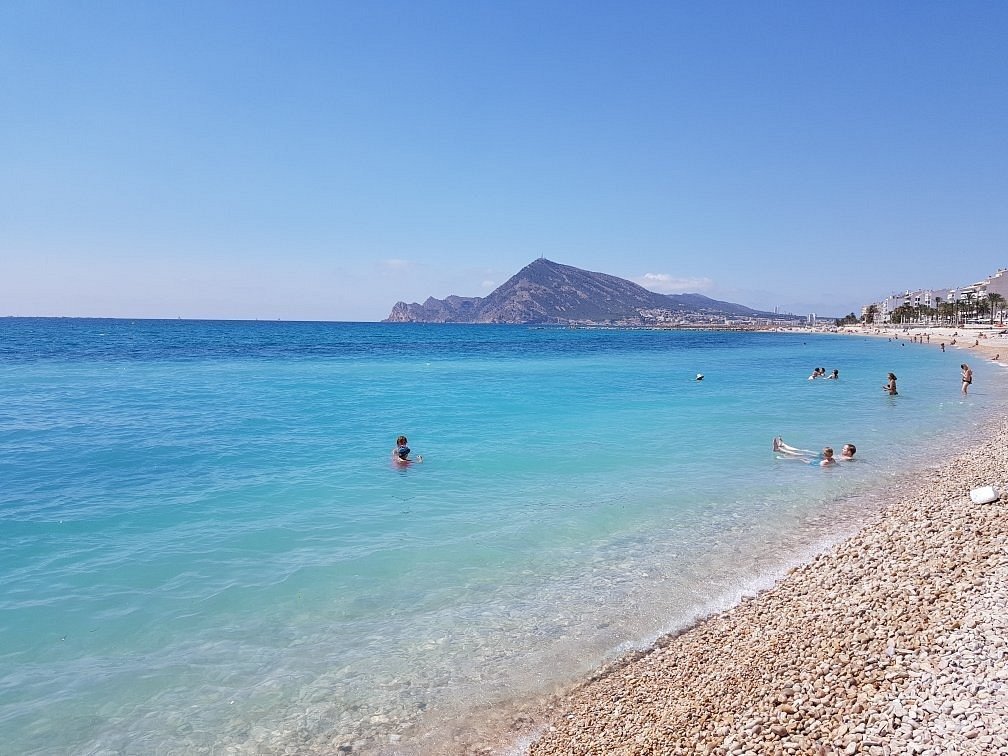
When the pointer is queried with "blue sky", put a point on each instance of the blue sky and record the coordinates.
(325, 160)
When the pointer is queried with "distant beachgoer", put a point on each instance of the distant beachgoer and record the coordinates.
(890, 387)
(996, 357)
(834, 375)
(976, 343)
(809, 457)
(401, 452)
(943, 346)
(699, 376)
(817, 373)
(967, 377)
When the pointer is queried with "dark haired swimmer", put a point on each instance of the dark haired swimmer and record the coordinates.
(890, 387)
(401, 452)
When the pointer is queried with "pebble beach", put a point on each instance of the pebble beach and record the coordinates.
(895, 641)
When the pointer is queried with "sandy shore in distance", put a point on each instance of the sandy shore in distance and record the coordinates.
(895, 641)
(976, 342)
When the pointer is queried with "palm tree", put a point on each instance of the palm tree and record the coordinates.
(997, 302)
(872, 313)
(983, 307)
(947, 310)
(969, 304)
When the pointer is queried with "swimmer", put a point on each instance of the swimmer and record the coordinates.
(809, 457)
(401, 452)
(835, 375)
(967, 377)
(890, 387)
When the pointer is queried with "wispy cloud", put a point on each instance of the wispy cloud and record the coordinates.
(398, 265)
(665, 283)
(488, 285)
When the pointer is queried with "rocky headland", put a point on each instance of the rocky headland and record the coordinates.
(546, 292)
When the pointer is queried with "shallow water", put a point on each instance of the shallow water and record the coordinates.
(206, 544)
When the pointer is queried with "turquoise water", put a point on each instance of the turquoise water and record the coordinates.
(205, 544)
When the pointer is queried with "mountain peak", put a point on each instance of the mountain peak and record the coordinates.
(545, 291)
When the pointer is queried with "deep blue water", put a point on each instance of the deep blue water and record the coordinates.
(205, 543)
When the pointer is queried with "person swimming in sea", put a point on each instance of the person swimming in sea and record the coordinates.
(890, 387)
(401, 452)
(809, 457)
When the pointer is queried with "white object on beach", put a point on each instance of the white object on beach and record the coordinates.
(984, 495)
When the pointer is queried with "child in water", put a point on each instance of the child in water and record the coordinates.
(825, 459)
(402, 451)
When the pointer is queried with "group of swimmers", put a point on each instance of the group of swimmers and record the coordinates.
(809, 457)
(826, 457)
(967, 379)
(821, 373)
(401, 452)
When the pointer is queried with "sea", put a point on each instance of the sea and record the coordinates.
(207, 548)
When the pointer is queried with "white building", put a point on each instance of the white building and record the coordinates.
(933, 298)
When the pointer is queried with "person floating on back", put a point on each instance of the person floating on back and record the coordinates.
(809, 457)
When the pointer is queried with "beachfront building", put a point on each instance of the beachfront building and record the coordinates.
(982, 301)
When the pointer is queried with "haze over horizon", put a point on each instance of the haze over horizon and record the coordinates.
(323, 161)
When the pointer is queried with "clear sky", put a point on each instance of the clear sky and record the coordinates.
(303, 160)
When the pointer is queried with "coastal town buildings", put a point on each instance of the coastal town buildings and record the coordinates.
(982, 301)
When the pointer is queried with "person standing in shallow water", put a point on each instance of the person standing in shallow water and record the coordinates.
(890, 387)
(967, 377)
(402, 451)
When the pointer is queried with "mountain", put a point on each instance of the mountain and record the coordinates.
(548, 292)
